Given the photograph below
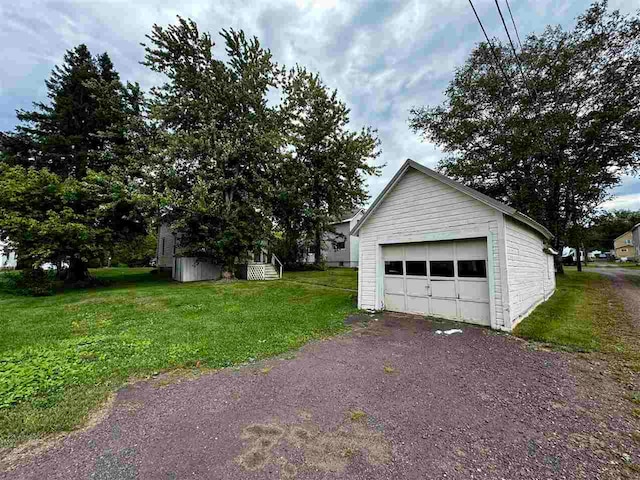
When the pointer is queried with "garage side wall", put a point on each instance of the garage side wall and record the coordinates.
(420, 208)
(531, 277)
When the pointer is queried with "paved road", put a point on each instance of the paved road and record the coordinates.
(393, 400)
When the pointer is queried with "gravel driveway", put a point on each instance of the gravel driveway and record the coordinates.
(390, 400)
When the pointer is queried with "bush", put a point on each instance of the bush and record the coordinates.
(36, 282)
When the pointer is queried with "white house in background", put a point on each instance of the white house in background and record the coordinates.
(260, 266)
(8, 259)
(432, 246)
(342, 248)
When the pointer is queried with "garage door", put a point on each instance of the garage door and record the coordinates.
(441, 279)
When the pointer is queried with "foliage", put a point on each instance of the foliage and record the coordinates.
(50, 218)
(69, 174)
(552, 141)
(60, 355)
(36, 282)
(322, 175)
(218, 139)
(607, 227)
(135, 253)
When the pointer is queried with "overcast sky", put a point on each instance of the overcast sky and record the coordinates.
(383, 56)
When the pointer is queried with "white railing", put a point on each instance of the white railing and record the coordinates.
(275, 259)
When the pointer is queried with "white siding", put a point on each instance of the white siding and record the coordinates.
(192, 269)
(530, 270)
(166, 247)
(420, 206)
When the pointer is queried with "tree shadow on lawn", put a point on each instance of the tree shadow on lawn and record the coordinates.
(107, 278)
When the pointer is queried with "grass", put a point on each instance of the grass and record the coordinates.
(346, 278)
(611, 264)
(61, 356)
(572, 317)
(587, 314)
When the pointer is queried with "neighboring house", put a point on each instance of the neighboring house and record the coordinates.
(193, 269)
(623, 245)
(635, 240)
(8, 259)
(342, 248)
(432, 246)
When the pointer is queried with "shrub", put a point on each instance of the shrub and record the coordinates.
(36, 282)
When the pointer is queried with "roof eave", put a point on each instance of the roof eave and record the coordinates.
(481, 197)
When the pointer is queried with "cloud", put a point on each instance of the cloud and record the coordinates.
(623, 202)
(383, 56)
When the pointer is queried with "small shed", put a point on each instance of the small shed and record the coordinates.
(430, 245)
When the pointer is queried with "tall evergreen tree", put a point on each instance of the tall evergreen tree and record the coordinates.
(69, 191)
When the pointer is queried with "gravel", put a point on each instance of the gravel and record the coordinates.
(391, 399)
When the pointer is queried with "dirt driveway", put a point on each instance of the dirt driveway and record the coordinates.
(392, 400)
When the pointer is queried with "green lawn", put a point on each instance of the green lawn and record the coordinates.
(630, 265)
(60, 356)
(584, 314)
(332, 277)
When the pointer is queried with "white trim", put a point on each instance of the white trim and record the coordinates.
(491, 202)
(479, 231)
(504, 271)
(345, 220)
(491, 281)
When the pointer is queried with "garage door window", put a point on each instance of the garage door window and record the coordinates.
(393, 267)
(472, 268)
(441, 268)
(417, 268)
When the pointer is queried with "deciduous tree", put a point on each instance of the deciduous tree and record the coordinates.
(219, 139)
(559, 132)
(323, 173)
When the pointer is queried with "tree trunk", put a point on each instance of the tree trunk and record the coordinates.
(578, 259)
(317, 247)
(557, 259)
(77, 271)
(228, 273)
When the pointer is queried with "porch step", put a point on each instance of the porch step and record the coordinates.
(270, 273)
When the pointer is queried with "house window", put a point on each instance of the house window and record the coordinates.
(418, 268)
(627, 241)
(472, 268)
(162, 245)
(341, 264)
(624, 250)
(340, 245)
(393, 267)
(441, 268)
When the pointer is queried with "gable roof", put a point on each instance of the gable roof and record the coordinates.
(349, 216)
(481, 197)
(625, 233)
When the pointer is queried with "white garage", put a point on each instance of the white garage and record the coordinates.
(432, 246)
